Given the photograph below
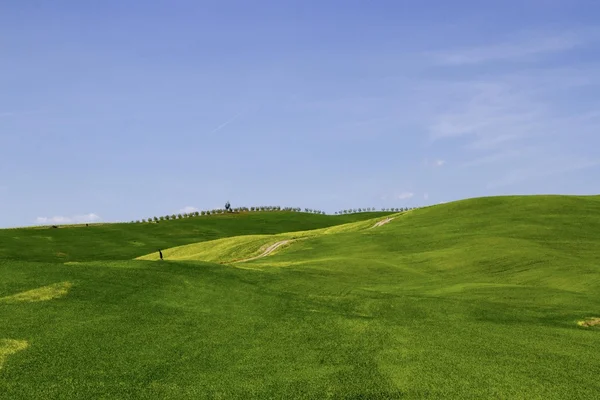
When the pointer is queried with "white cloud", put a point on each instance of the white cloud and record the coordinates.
(426, 196)
(405, 195)
(434, 163)
(188, 209)
(514, 127)
(518, 49)
(77, 219)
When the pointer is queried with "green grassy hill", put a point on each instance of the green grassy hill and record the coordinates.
(125, 241)
(479, 298)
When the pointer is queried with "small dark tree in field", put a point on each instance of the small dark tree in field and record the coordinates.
(155, 219)
(227, 207)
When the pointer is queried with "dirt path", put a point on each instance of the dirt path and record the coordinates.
(382, 222)
(277, 245)
(267, 251)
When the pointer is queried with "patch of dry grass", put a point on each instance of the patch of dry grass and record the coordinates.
(43, 293)
(588, 323)
(10, 346)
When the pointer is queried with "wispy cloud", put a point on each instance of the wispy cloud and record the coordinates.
(500, 156)
(434, 163)
(426, 196)
(224, 124)
(405, 195)
(542, 170)
(77, 219)
(518, 48)
(517, 124)
(494, 110)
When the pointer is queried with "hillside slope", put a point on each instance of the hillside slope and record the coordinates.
(126, 241)
(481, 298)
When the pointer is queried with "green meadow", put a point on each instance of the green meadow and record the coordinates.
(488, 298)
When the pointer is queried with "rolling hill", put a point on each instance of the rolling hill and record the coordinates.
(481, 298)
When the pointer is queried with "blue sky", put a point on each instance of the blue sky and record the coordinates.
(122, 110)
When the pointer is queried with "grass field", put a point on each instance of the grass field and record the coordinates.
(126, 241)
(481, 298)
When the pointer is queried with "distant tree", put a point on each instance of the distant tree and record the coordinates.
(155, 219)
(179, 216)
(228, 206)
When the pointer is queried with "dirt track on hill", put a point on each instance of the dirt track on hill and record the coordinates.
(382, 222)
(276, 245)
(267, 251)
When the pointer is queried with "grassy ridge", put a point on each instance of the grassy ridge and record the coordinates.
(127, 241)
(473, 299)
(242, 247)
